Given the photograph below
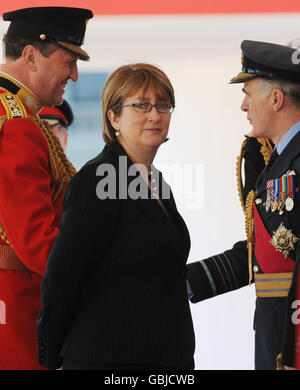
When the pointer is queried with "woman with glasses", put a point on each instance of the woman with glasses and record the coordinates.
(114, 294)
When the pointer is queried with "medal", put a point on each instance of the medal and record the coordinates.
(282, 194)
(280, 205)
(276, 195)
(274, 205)
(270, 195)
(289, 204)
(283, 240)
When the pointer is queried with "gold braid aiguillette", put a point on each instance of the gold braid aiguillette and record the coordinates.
(266, 149)
(239, 174)
(249, 226)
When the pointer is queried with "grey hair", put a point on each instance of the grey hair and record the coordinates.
(290, 89)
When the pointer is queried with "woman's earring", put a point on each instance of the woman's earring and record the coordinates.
(117, 133)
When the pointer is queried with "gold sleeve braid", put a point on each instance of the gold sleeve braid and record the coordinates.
(266, 151)
(61, 167)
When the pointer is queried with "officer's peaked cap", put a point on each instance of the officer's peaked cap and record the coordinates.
(63, 25)
(268, 60)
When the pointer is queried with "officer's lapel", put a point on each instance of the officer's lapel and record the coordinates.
(281, 165)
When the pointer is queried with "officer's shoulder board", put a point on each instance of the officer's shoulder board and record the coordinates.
(11, 107)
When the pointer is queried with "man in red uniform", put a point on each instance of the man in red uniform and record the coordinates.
(59, 119)
(42, 46)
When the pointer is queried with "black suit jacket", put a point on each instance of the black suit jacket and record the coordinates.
(115, 285)
(228, 271)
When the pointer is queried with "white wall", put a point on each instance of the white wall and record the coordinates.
(200, 54)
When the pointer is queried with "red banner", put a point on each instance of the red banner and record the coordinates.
(137, 7)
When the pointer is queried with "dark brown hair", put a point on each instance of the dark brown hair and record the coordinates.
(13, 46)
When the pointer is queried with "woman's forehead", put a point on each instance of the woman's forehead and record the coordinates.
(146, 93)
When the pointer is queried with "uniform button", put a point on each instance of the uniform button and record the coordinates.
(255, 268)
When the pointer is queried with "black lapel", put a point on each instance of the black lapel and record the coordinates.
(281, 165)
(172, 227)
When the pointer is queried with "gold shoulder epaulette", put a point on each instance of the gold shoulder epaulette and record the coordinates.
(13, 106)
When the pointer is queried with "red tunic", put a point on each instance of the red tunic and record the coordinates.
(30, 220)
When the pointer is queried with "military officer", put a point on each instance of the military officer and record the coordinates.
(59, 118)
(271, 78)
(42, 46)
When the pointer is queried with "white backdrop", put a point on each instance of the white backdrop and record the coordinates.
(200, 54)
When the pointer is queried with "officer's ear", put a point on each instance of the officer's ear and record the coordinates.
(29, 56)
(278, 99)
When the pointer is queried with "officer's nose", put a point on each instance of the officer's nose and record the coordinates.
(244, 105)
(74, 72)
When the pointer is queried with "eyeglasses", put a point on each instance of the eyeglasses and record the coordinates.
(162, 108)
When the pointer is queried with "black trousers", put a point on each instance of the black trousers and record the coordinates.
(269, 329)
(77, 365)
